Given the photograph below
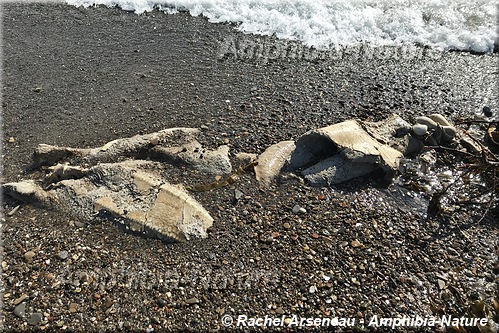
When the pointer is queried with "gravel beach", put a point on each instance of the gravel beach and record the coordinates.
(82, 77)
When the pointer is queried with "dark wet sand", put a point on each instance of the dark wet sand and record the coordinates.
(82, 77)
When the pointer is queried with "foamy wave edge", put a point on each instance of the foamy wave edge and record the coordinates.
(325, 25)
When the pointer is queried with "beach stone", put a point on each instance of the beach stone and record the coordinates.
(63, 255)
(448, 133)
(420, 129)
(487, 112)
(161, 302)
(20, 310)
(73, 307)
(29, 255)
(35, 319)
(192, 300)
(297, 209)
(439, 119)
(238, 194)
(430, 123)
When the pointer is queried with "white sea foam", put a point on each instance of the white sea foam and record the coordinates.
(325, 24)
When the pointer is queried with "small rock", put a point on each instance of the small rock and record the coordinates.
(12, 140)
(79, 224)
(238, 194)
(441, 284)
(73, 307)
(487, 112)
(419, 129)
(63, 255)
(430, 123)
(297, 209)
(192, 300)
(29, 255)
(155, 320)
(286, 225)
(161, 302)
(355, 243)
(448, 133)
(20, 310)
(109, 302)
(83, 277)
(438, 118)
(312, 289)
(35, 318)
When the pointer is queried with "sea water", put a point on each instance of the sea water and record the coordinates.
(326, 24)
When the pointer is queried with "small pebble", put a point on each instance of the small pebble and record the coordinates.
(161, 302)
(438, 118)
(419, 129)
(448, 132)
(35, 318)
(73, 307)
(12, 140)
(487, 112)
(20, 310)
(441, 284)
(63, 255)
(430, 124)
(29, 255)
(297, 209)
(192, 300)
(355, 243)
(238, 194)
